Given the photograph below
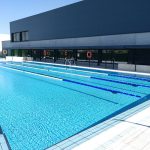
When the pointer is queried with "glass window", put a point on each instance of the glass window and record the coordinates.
(16, 37)
(25, 36)
(81, 55)
(12, 37)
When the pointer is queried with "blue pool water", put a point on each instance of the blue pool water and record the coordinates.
(37, 112)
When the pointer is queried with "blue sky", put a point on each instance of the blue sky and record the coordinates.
(11, 10)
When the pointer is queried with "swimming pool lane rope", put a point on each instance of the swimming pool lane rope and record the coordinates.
(96, 78)
(75, 82)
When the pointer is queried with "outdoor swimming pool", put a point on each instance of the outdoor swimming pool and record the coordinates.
(44, 104)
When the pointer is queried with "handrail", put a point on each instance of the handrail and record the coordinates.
(69, 61)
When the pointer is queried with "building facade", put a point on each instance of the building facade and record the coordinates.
(115, 32)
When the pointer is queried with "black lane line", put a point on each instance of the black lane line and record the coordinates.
(73, 90)
(126, 83)
(113, 87)
(105, 89)
(84, 93)
(130, 77)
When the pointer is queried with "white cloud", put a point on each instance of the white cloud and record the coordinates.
(3, 37)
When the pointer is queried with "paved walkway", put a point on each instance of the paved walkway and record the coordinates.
(130, 134)
(3, 144)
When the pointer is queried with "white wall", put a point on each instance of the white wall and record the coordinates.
(3, 37)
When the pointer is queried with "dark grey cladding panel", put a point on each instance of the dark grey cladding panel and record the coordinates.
(88, 18)
(136, 40)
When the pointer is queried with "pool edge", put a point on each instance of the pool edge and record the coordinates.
(84, 136)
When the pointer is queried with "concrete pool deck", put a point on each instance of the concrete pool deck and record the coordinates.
(3, 143)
